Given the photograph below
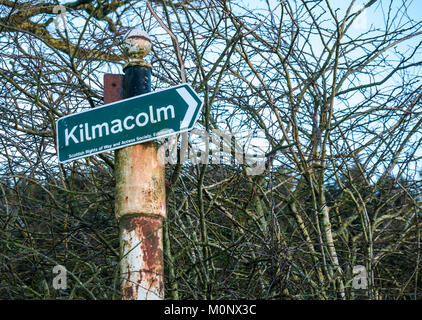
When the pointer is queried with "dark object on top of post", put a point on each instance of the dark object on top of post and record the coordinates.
(137, 79)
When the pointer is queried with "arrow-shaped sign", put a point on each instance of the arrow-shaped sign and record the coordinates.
(127, 122)
(191, 107)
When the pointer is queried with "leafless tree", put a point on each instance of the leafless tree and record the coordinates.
(333, 94)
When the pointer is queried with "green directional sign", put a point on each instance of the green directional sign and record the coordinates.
(126, 122)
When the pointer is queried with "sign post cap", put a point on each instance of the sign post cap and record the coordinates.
(137, 44)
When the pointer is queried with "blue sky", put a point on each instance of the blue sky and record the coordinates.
(372, 19)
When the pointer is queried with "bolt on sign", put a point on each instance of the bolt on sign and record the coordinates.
(126, 122)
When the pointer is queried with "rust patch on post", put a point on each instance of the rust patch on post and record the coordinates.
(128, 292)
(146, 228)
(142, 258)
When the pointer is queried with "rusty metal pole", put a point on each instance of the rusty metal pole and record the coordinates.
(140, 192)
